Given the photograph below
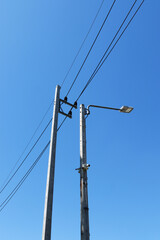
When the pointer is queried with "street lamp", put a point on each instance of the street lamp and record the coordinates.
(124, 109)
(85, 235)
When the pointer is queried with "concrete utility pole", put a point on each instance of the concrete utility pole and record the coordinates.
(47, 221)
(83, 177)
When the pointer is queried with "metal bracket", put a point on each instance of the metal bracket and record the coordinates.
(65, 114)
(65, 101)
(69, 114)
(78, 169)
(87, 112)
(84, 167)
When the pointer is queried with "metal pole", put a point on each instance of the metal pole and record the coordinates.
(83, 177)
(47, 220)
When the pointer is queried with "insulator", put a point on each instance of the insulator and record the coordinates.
(70, 113)
(65, 99)
(75, 104)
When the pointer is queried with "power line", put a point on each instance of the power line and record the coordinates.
(91, 46)
(25, 157)
(13, 192)
(40, 123)
(6, 180)
(62, 122)
(82, 44)
(10, 196)
(103, 59)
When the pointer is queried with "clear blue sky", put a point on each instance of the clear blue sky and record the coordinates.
(38, 41)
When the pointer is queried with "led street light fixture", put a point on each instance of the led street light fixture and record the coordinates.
(126, 109)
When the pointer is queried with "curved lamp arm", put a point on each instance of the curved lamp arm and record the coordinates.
(124, 109)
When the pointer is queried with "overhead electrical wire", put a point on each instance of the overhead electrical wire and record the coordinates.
(17, 169)
(62, 122)
(101, 62)
(16, 188)
(91, 46)
(82, 44)
(6, 180)
(53, 100)
(40, 123)
(103, 59)
(10, 196)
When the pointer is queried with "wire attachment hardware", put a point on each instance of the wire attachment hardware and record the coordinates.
(69, 114)
(65, 101)
(84, 167)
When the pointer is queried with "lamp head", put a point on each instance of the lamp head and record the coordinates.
(126, 109)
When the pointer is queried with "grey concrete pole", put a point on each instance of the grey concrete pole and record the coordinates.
(47, 220)
(83, 178)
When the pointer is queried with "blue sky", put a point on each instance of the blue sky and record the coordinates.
(38, 42)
